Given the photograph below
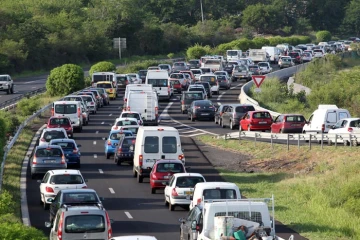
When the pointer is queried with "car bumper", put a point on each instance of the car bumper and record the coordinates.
(4, 87)
(112, 95)
(161, 97)
(123, 158)
(43, 170)
(151, 122)
(158, 183)
(204, 115)
(180, 201)
(293, 130)
(260, 127)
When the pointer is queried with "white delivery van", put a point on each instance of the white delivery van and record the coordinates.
(323, 118)
(159, 79)
(152, 144)
(233, 55)
(258, 55)
(71, 109)
(136, 88)
(214, 64)
(214, 190)
(274, 53)
(145, 103)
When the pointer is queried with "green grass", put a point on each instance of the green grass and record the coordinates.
(320, 203)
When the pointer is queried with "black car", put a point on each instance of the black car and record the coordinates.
(74, 197)
(219, 111)
(188, 97)
(229, 68)
(142, 75)
(201, 109)
(206, 86)
(124, 151)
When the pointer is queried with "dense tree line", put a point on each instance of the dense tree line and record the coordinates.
(42, 34)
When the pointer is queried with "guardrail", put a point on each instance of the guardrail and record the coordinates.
(11, 104)
(351, 139)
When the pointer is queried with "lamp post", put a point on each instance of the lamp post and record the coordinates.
(202, 13)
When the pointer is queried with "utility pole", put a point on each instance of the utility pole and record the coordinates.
(202, 13)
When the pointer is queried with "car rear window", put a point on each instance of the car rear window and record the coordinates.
(84, 223)
(49, 135)
(188, 182)
(79, 99)
(66, 179)
(158, 82)
(195, 89)
(175, 82)
(151, 144)
(196, 71)
(121, 79)
(164, 67)
(204, 104)
(65, 108)
(206, 70)
(134, 130)
(244, 109)
(169, 145)
(221, 77)
(219, 194)
(126, 123)
(117, 136)
(82, 197)
(293, 54)
(131, 115)
(206, 85)
(65, 145)
(129, 142)
(87, 99)
(59, 121)
(294, 119)
(261, 115)
(48, 152)
(194, 96)
(104, 85)
(179, 64)
(170, 167)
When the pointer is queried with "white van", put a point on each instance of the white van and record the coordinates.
(323, 118)
(274, 53)
(145, 103)
(233, 55)
(155, 143)
(136, 88)
(159, 79)
(71, 109)
(214, 190)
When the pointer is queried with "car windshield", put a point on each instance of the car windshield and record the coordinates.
(206, 70)
(158, 82)
(232, 53)
(65, 145)
(49, 135)
(128, 142)
(293, 54)
(164, 67)
(66, 179)
(59, 121)
(196, 71)
(286, 60)
(209, 79)
(294, 119)
(79, 99)
(204, 104)
(126, 123)
(84, 223)
(212, 61)
(131, 115)
(193, 61)
(221, 78)
(48, 152)
(195, 89)
(175, 82)
(104, 85)
(65, 108)
(263, 64)
(87, 99)
(206, 85)
(121, 79)
(101, 78)
(244, 109)
(188, 181)
(170, 167)
(83, 197)
(101, 90)
(177, 76)
(118, 135)
(219, 194)
(254, 68)
(261, 115)
(193, 96)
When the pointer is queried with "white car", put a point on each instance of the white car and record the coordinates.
(130, 114)
(265, 67)
(198, 87)
(121, 122)
(319, 53)
(197, 72)
(307, 57)
(6, 84)
(211, 79)
(222, 73)
(56, 180)
(346, 126)
(135, 78)
(180, 188)
(49, 134)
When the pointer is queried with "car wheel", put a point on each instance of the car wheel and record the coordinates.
(107, 155)
(222, 124)
(8, 91)
(12, 89)
(231, 125)
(45, 205)
(192, 119)
(171, 207)
(139, 178)
(183, 112)
(166, 202)
(51, 219)
(354, 142)
(346, 143)
(134, 173)
(153, 190)
(215, 120)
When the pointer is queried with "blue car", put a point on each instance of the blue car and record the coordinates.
(113, 140)
(71, 151)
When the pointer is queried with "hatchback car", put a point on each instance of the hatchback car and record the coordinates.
(219, 112)
(229, 68)
(120, 122)
(90, 102)
(176, 85)
(265, 67)
(188, 97)
(123, 80)
(71, 151)
(104, 94)
(256, 120)
(124, 151)
(198, 88)
(61, 122)
(45, 158)
(55, 180)
(49, 134)
(162, 172)
(346, 126)
(130, 114)
(187, 229)
(207, 88)
(233, 113)
(194, 63)
(211, 79)
(288, 123)
(201, 109)
(285, 63)
(223, 81)
(306, 57)
(113, 140)
(98, 96)
(73, 197)
(296, 57)
(180, 189)
(255, 70)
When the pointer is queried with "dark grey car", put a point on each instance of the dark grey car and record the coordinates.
(194, 63)
(219, 112)
(46, 158)
(192, 225)
(188, 97)
(179, 66)
(234, 113)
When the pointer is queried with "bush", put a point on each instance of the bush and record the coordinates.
(136, 66)
(323, 36)
(170, 55)
(87, 81)
(11, 121)
(18, 231)
(196, 51)
(27, 106)
(102, 67)
(65, 80)
(2, 140)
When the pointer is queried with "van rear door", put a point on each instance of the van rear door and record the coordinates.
(71, 110)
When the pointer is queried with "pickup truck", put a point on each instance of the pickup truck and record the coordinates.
(241, 72)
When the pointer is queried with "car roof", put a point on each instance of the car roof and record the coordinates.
(53, 130)
(290, 114)
(62, 171)
(188, 175)
(349, 119)
(98, 83)
(48, 146)
(169, 161)
(214, 184)
(118, 131)
(134, 237)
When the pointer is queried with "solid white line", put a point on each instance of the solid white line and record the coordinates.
(95, 155)
(97, 132)
(33, 87)
(196, 134)
(102, 122)
(94, 142)
(112, 190)
(190, 131)
(110, 114)
(128, 215)
(207, 132)
(101, 171)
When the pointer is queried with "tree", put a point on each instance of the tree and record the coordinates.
(323, 36)
(102, 67)
(195, 52)
(351, 22)
(65, 80)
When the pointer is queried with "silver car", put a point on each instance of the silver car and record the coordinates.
(179, 66)
(46, 158)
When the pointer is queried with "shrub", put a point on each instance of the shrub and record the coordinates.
(170, 55)
(102, 67)
(27, 106)
(18, 231)
(259, 42)
(87, 81)
(2, 141)
(244, 44)
(11, 121)
(65, 79)
(323, 36)
(196, 51)
(276, 40)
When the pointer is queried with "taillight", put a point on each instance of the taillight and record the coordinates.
(156, 111)
(323, 127)
(125, 99)
(59, 232)
(109, 143)
(154, 176)
(34, 160)
(174, 193)
(181, 157)
(49, 189)
(84, 186)
(115, 128)
(63, 159)
(350, 129)
(198, 200)
(109, 226)
(43, 140)
(79, 112)
(140, 160)
(119, 150)
(92, 103)
(52, 111)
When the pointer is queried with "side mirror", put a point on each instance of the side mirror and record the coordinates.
(86, 180)
(112, 221)
(79, 145)
(48, 224)
(182, 220)
(333, 127)
(50, 200)
(102, 198)
(193, 225)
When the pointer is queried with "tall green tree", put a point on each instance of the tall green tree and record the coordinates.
(351, 22)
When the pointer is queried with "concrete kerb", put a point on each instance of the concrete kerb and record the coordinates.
(24, 206)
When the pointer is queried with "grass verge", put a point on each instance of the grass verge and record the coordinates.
(320, 203)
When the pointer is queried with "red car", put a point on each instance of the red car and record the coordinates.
(176, 85)
(162, 172)
(288, 123)
(61, 122)
(256, 120)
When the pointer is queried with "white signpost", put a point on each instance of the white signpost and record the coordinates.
(258, 80)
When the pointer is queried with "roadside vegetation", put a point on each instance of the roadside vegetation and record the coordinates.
(316, 191)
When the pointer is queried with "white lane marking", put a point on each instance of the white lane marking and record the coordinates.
(112, 190)
(110, 114)
(33, 87)
(165, 111)
(103, 138)
(16, 92)
(101, 171)
(97, 132)
(204, 131)
(190, 131)
(95, 155)
(102, 122)
(196, 134)
(220, 96)
(94, 142)
(128, 215)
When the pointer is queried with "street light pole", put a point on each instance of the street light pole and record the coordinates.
(202, 13)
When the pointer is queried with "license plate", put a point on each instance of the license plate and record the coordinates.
(295, 125)
(205, 114)
(49, 161)
(166, 177)
(262, 122)
(188, 193)
(150, 160)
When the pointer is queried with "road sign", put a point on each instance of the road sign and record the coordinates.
(119, 42)
(258, 80)
(257, 90)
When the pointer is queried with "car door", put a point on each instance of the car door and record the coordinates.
(55, 205)
(43, 183)
(226, 115)
(276, 124)
(55, 227)
(340, 127)
(187, 225)
(168, 188)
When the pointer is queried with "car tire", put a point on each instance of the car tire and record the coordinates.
(153, 190)
(166, 202)
(45, 205)
(215, 120)
(134, 173)
(8, 91)
(107, 155)
(188, 117)
(12, 89)
(222, 124)
(139, 178)
(231, 125)
(354, 143)
(218, 92)
(171, 207)
(192, 119)
(346, 143)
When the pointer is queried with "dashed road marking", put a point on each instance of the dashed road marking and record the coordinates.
(102, 122)
(94, 142)
(97, 132)
(128, 215)
(110, 114)
(101, 171)
(95, 155)
(112, 190)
